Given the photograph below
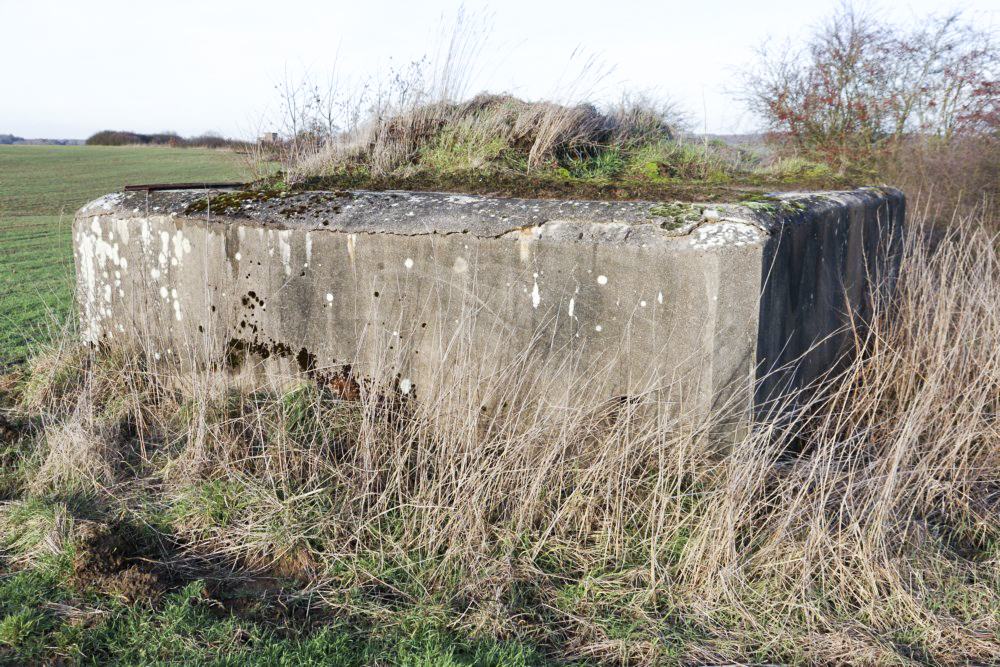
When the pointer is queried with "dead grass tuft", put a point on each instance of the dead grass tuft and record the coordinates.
(81, 454)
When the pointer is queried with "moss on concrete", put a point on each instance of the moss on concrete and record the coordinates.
(234, 201)
(560, 184)
(677, 214)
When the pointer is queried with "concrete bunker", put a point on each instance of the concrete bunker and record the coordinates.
(734, 304)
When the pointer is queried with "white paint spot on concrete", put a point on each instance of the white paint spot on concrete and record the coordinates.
(124, 264)
(181, 245)
(163, 292)
(122, 226)
(286, 250)
(408, 263)
(659, 297)
(642, 303)
(461, 265)
(173, 294)
(404, 385)
(95, 225)
(173, 261)
(329, 297)
(155, 273)
(572, 302)
(602, 280)
(536, 298)
(598, 328)
(239, 256)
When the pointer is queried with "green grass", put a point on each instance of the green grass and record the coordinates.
(41, 187)
(42, 620)
(54, 180)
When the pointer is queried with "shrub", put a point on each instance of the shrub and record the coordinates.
(860, 86)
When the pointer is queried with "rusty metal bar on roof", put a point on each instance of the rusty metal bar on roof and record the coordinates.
(181, 186)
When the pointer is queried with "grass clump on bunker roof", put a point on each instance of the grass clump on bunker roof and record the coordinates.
(419, 126)
(498, 144)
(501, 145)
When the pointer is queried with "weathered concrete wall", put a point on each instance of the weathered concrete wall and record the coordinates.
(450, 289)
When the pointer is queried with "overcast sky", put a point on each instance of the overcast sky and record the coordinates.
(71, 68)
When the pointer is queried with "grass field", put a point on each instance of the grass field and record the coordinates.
(41, 187)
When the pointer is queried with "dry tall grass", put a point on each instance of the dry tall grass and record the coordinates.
(860, 528)
(498, 132)
(885, 526)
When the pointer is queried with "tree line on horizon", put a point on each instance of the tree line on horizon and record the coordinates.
(122, 138)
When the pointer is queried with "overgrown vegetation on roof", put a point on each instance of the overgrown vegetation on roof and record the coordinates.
(421, 127)
(504, 145)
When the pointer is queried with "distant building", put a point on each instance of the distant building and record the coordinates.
(268, 138)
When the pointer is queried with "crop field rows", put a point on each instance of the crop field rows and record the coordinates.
(41, 187)
(36, 277)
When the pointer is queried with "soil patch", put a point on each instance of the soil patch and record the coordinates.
(116, 560)
(138, 566)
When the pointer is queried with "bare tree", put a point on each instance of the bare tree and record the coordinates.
(860, 85)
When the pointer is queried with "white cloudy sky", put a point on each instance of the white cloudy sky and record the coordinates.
(69, 68)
